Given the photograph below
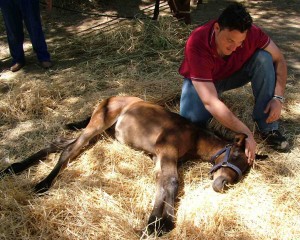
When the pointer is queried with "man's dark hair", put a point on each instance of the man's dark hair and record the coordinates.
(235, 17)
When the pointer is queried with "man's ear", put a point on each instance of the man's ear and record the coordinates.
(217, 27)
(240, 139)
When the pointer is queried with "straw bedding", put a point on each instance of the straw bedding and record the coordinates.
(107, 193)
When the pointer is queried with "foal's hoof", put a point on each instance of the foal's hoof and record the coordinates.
(159, 226)
(15, 168)
(4, 172)
(41, 187)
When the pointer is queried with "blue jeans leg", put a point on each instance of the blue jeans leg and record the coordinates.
(32, 19)
(14, 29)
(191, 106)
(259, 70)
(14, 13)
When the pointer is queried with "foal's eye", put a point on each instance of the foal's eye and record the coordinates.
(236, 153)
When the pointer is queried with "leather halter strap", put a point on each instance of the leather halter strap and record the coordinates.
(224, 162)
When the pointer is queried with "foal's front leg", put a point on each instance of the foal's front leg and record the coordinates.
(162, 217)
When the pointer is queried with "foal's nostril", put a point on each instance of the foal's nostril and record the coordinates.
(220, 184)
(225, 185)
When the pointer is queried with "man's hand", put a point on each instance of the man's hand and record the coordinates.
(274, 109)
(250, 149)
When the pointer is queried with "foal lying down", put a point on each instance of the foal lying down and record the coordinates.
(166, 136)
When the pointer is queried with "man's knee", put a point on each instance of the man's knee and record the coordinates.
(264, 58)
(262, 67)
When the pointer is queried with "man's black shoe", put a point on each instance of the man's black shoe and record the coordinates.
(275, 140)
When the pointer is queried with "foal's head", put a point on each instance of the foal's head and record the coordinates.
(229, 164)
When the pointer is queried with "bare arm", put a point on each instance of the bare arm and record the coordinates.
(274, 106)
(280, 68)
(209, 96)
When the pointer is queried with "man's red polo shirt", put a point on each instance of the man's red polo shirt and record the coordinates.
(201, 61)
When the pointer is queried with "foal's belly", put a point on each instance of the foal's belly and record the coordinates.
(137, 133)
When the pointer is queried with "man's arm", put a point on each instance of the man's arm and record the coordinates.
(208, 94)
(280, 68)
(274, 106)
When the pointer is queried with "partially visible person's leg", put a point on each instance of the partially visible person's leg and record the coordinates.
(262, 75)
(191, 106)
(15, 36)
(32, 19)
(263, 80)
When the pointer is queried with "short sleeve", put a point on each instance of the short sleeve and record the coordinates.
(259, 37)
(199, 62)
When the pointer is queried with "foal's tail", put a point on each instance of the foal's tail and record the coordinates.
(78, 125)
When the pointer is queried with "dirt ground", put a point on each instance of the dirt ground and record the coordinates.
(36, 103)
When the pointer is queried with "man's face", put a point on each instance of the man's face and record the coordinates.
(228, 41)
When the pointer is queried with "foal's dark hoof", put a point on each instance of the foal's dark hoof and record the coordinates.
(5, 172)
(154, 224)
(15, 168)
(168, 225)
(41, 187)
(159, 226)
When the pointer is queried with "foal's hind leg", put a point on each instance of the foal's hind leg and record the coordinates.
(104, 116)
(68, 154)
(19, 167)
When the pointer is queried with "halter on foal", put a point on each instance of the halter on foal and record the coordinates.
(165, 135)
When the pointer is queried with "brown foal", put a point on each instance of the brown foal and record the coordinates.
(167, 136)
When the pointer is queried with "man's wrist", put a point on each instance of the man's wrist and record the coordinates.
(249, 135)
(280, 98)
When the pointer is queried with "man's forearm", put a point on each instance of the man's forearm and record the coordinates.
(223, 115)
(281, 77)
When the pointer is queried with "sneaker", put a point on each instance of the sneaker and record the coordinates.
(275, 140)
(16, 67)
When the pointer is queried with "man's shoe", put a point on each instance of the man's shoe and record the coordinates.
(16, 67)
(275, 140)
(46, 64)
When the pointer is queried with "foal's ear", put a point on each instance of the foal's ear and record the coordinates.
(239, 139)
